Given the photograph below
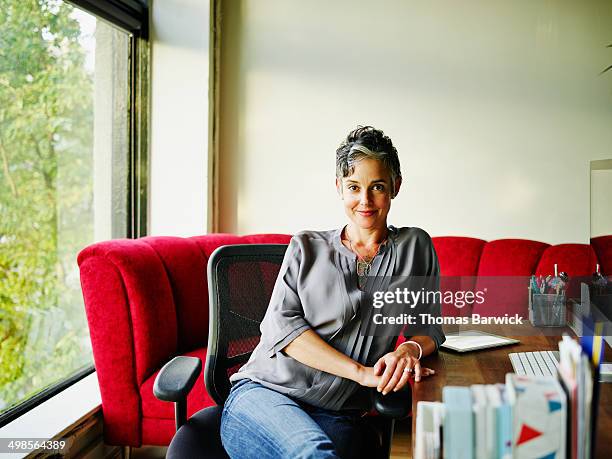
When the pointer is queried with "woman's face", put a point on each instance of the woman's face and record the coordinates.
(366, 194)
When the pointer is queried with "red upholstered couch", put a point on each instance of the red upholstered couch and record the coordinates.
(147, 301)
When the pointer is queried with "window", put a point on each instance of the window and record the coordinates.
(69, 176)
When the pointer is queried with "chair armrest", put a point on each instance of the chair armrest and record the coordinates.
(176, 378)
(174, 381)
(395, 405)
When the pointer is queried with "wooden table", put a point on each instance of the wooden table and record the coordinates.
(490, 366)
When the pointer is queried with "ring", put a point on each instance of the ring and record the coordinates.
(407, 370)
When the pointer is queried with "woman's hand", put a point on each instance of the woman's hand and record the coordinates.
(366, 377)
(396, 368)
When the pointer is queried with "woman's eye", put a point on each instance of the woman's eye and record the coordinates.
(353, 187)
(378, 187)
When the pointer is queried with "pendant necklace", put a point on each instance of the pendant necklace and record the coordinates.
(363, 263)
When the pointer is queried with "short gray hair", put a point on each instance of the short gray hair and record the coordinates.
(367, 142)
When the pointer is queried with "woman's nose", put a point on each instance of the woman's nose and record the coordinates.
(364, 198)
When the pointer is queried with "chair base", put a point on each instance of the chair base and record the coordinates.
(199, 437)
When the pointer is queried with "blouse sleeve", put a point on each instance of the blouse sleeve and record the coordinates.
(432, 272)
(284, 319)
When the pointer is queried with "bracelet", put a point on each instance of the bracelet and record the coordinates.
(418, 345)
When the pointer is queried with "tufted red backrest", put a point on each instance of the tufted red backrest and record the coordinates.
(185, 268)
(577, 260)
(458, 256)
(145, 321)
(603, 248)
(503, 272)
(166, 292)
(510, 257)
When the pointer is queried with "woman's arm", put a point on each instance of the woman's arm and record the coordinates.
(310, 349)
(284, 328)
(397, 366)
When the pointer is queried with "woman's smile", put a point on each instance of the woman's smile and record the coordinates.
(366, 213)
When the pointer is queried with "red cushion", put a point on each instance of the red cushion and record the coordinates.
(152, 314)
(510, 257)
(575, 259)
(458, 256)
(107, 308)
(603, 248)
(504, 271)
(197, 399)
(210, 242)
(185, 267)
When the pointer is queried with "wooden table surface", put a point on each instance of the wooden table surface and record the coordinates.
(490, 366)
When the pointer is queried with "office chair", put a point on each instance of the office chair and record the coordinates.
(241, 279)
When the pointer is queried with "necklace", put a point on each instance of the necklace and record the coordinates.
(364, 264)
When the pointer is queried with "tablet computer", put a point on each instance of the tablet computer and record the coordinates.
(474, 340)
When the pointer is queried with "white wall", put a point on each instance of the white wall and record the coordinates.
(496, 108)
(179, 124)
(601, 202)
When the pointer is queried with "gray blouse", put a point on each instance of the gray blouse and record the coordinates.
(317, 288)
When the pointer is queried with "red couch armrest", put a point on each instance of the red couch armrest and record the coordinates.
(132, 322)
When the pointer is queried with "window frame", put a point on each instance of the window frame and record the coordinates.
(131, 16)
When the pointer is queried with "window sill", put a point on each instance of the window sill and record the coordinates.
(56, 414)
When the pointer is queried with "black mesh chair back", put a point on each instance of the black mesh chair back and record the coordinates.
(240, 279)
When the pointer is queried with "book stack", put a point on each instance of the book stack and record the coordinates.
(578, 373)
(527, 417)
(524, 418)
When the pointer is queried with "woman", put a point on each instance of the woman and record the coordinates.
(304, 388)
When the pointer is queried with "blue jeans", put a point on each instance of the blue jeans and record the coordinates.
(261, 423)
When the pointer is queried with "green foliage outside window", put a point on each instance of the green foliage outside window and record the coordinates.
(46, 180)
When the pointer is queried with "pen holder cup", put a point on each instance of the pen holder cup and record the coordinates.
(547, 310)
